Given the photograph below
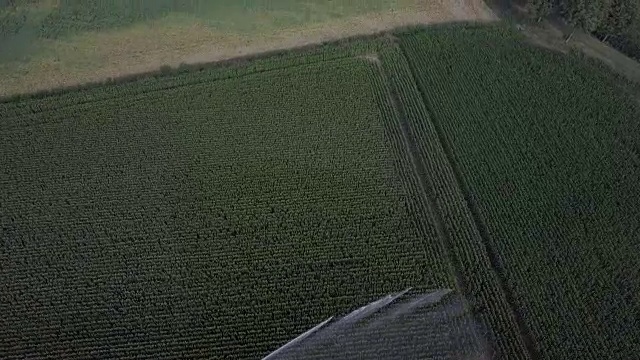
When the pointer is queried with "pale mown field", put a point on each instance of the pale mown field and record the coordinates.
(55, 43)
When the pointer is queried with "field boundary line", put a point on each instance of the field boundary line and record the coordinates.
(210, 80)
(496, 266)
(343, 46)
(408, 139)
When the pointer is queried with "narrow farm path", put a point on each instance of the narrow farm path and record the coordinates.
(492, 253)
(421, 172)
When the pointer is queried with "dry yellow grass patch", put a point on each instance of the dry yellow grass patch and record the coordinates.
(180, 39)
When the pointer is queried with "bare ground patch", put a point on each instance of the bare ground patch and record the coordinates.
(145, 47)
(372, 58)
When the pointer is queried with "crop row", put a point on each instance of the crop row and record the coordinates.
(476, 279)
(409, 179)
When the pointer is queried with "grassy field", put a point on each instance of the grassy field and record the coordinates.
(56, 43)
(31, 20)
(221, 212)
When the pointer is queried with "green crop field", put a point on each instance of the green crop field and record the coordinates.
(218, 213)
(545, 149)
(221, 210)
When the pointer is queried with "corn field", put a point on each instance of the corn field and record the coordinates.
(219, 212)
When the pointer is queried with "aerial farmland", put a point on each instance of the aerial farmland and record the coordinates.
(220, 208)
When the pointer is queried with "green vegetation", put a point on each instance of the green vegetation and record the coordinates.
(616, 22)
(546, 151)
(475, 276)
(82, 15)
(69, 16)
(220, 212)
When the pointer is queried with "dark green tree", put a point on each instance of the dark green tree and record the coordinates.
(539, 9)
(587, 15)
(621, 15)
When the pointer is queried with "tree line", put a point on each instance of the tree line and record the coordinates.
(614, 21)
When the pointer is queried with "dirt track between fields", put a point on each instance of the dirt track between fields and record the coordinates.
(147, 47)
